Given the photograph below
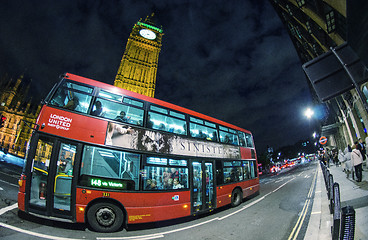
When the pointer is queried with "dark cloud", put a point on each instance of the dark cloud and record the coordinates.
(232, 60)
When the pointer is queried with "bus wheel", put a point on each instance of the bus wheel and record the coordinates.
(236, 197)
(105, 217)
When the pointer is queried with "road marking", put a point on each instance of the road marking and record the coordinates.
(4, 225)
(143, 237)
(161, 235)
(304, 211)
(283, 185)
(243, 208)
(11, 184)
(157, 235)
(33, 233)
(9, 208)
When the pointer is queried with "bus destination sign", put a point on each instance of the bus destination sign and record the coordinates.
(106, 183)
(98, 182)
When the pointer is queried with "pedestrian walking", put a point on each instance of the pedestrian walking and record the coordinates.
(341, 159)
(347, 160)
(335, 157)
(357, 161)
(366, 151)
(362, 147)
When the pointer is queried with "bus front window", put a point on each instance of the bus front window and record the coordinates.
(73, 97)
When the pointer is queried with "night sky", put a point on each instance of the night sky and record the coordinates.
(231, 60)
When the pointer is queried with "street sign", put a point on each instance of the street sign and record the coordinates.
(323, 140)
(335, 72)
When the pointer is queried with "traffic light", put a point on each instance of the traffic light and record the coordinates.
(2, 121)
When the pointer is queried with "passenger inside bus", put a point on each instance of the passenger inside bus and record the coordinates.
(149, 122)
(121, 117)
(153, 184)
(214, 136)
(72, 103)
(176, 184)
(148, 184)
(168, 184)
(68, 166)
(162, 127)
(97, 109)
(201, 135)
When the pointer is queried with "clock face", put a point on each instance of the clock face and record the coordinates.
(146, 33)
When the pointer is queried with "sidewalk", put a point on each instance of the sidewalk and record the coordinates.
(352, 193)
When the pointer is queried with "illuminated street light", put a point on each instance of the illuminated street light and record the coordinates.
(309, 113)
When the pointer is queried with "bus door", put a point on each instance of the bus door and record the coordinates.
(203, 195)
(50, 191)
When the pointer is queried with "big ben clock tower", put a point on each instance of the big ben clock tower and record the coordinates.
(138, 67)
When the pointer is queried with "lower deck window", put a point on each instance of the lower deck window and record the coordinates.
(236, 171)
(172, 176)
(111, 164)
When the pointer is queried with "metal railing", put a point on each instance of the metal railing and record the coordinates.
(343, 219)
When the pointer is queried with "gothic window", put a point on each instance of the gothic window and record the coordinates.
(300, 3)
(330, 21)
(289, 10)
(307, 24)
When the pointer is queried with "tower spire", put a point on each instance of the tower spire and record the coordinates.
(138, 67)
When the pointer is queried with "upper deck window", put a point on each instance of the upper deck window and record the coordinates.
(245, 139)
(133, 102)
(203, 129)
(166, 120)
(72, 96)
(228, 135)
(110, 106)
(109, 95)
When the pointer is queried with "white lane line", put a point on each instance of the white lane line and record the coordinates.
(243, 208)
(143, 237)
(319, 212)
(11, 184)
(9, 208)
(4, 225)
(161, 235)
(153, 236)
(34, 233)
(283, 185)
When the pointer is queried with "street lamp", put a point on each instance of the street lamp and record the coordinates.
(308, 113)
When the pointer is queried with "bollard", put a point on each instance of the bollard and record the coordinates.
(330, 192)
(327, 181)
(336, 211)
(329, 186)
(347, 225)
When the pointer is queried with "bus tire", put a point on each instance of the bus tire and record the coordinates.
(236, 197)
(105, 217)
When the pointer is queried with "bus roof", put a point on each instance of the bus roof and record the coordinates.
(117, 90)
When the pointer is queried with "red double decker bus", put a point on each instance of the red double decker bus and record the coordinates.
(110, 157)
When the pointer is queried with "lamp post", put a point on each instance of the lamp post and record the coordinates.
(308, 113)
